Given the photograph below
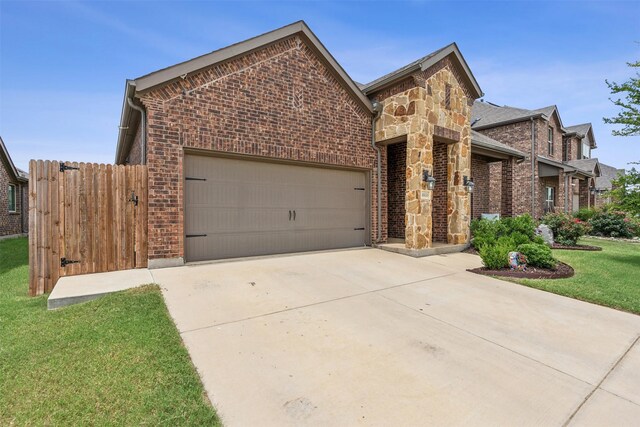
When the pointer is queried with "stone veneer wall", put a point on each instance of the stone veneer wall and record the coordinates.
(396, 188)
(415, 107)
(280, 102)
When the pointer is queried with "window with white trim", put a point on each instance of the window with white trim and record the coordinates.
(550, 199)
(586, 150)
(550, 141)
(12, 198)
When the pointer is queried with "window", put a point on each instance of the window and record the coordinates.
(550, 199)
(550, 141)
(12, 198)
(586, 150)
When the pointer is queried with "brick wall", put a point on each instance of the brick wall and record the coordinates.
(518, 135)
(135, 154)
(543, 138)
(10, 223)
(481, 178)
(396, 188)
(439, 204)
(495, 187)
(280, 102)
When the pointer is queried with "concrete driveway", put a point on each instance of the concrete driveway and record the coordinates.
(375, 338)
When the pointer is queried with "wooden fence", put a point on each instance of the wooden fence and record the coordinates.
(84, 218)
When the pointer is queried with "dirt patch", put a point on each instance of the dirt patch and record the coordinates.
(576, 247)
(561, 272)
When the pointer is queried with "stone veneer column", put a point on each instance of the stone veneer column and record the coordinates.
(420, 113)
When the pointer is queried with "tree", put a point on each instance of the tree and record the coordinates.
(629, 117)
(626, 192)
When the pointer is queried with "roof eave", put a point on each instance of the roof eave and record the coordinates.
(510, 121)
(493, 148)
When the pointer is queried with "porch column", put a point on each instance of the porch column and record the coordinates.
(506, 208)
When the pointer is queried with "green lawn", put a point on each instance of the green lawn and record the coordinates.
(118, 360)
(610, 277)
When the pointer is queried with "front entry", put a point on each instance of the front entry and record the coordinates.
(239, 208)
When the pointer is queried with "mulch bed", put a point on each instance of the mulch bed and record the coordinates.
(561, 272)
(576, 247)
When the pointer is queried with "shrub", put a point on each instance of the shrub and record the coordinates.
(487, 232)
(538, 255)
(566, 229)
(611, 224)
(496, 256)
(585, 214)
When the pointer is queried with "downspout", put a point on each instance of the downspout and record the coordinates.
(143, 123)
(377, 108)
(533, 168)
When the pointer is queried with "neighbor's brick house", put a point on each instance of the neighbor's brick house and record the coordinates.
(14, 196)
(555, 159)
(267, 145)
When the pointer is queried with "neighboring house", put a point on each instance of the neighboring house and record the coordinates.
(555, 158)
(14, 196)
(604, 184)
(267, 146)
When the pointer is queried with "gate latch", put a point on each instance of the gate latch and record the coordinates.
(134, 199)
(64, 262)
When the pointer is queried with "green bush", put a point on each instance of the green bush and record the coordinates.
(538, 255)
(566, 229)
(585, 214)
(611, 224)
(496, 256)
(487, 232)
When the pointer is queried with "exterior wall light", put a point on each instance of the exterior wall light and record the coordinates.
(593, 191)
(468, 182)
(430, 180)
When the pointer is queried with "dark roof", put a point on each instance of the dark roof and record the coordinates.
(18, 174)
(584, 130)
(421, 65)
(483, 141)
(586, 166)
(607, 175)
(486, 114)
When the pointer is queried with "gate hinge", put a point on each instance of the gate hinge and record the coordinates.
(64, 262)
(64, 167)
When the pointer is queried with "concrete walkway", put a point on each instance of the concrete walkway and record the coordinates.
(367, 337)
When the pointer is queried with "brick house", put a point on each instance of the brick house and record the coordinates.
(604, 184)
(268, 146)
(556, 159)
(14, 196)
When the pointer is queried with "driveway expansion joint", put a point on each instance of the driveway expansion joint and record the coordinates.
(315, 303)
(597, 387)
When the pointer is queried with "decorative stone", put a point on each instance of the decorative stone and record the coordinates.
(546, 233)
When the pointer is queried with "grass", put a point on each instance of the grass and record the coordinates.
(608, 278)
(118, 360)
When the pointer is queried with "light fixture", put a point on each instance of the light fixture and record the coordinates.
(430, 180)
(468, 182)
(593, 191)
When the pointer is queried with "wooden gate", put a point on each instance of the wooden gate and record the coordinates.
(84, 218)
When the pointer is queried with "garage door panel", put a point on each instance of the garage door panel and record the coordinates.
(241, 208)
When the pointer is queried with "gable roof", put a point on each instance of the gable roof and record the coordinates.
(586, 166)
(584, 130)
(199, 63)
(607, 175)
(177, 71)
(18, 174)
(424, 63)
(486, 115)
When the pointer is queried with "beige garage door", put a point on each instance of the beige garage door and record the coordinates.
(236, 208)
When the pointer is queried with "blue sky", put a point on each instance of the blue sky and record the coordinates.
(63, 65)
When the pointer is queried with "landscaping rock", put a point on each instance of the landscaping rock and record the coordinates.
(545, 232)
